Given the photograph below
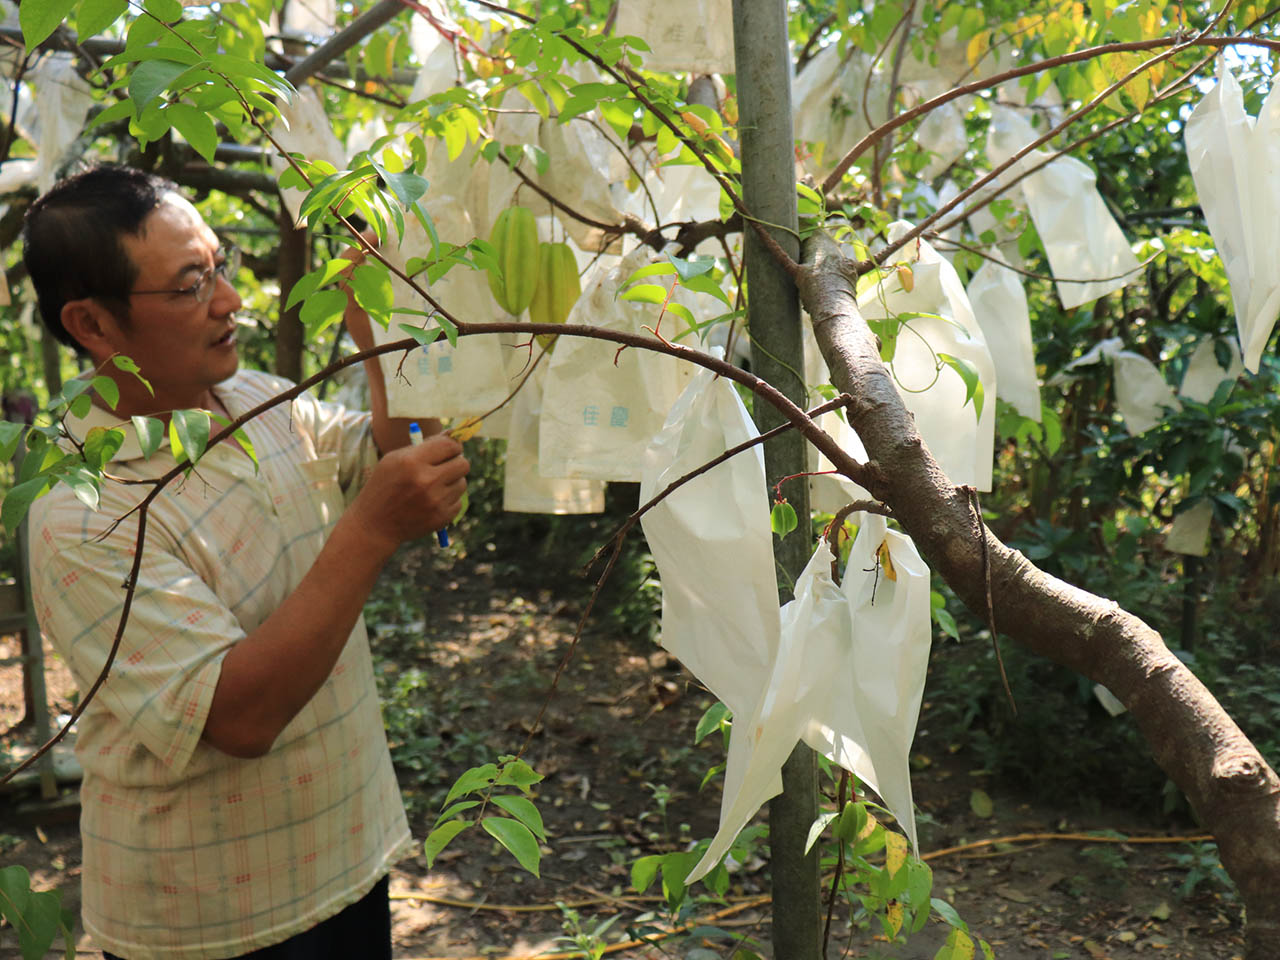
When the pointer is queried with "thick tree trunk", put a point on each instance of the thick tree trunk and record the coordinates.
(1232, 789)
(292, 265)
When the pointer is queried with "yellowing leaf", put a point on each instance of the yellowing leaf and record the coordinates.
(978, 46)
(886, 561)
(895, 852)
(467, 429)
(906, 277)
(893, 918)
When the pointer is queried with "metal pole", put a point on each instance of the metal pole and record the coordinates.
(763, 64)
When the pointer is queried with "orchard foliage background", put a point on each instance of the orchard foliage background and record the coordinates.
(1075, 490)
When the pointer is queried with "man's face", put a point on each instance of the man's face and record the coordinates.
(182, 346)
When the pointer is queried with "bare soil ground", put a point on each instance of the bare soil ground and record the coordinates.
(622, 777)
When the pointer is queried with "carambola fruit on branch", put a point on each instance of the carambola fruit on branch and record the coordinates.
(558, 288)
(515, 241)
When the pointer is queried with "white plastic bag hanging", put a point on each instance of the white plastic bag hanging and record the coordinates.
(695, 36)
(1142, 393)
(961, 443)
(1235, 164)
(441, 380)
(62, 102)
(814, 627)
(1204, 374)
(1000, 305)
(604, 406)
(1084, 244)
(867, 720)
(303, 127)
(848, 679)
(713, 545)
(1189, 532)
(523, 489)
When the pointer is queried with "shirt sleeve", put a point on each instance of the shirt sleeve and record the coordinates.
(348, 434)
(163, 677)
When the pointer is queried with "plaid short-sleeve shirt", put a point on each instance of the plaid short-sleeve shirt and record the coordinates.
(188, 852)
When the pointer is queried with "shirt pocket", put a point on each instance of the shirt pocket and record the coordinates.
(324, 494)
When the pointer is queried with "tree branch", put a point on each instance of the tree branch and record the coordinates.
(1227, 781)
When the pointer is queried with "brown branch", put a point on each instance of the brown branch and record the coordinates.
(375, 17)
(1233, 791)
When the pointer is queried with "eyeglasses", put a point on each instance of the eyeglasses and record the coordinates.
(202, 290)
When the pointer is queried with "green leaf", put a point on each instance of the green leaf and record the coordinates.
(515, 836)
(18, 499)
(189, 434)
(969, 374)
(816, 828)
(688, 269)
(517, 773)
(653, 269)
(80, 406)
(425, 337)
(128, 366)
(541, 162)
(453, 810)
(322, 309)
(980, 803)
(39, 18)
(477, 778)
(96, 15)
(241, 438)
(646, 293)
(166, 10)
(523, 810)
(309, 283)
(371, 283)
(683, 312)
(704, 284)
(713, 719)
(644, 871)
(107, 390)
(196, 126)
(151, 78)
(783, 518)
(948, 913)
(100, 446)
(150, 433)
(84, 484)
(439, 838)
(10, 435)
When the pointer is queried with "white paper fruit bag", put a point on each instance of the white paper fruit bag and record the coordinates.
(813, 628)
(603, 407)
(1081, 238)
(1235, 163)
(304, 128)
(1000, 305)
(523, 489)
(694, 36)
(441, 380)
(962, 443)
(712, 542)
(868, 719)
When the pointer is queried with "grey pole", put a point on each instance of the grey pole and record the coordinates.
(763, 63)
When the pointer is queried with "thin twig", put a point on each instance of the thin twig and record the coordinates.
(976, 506)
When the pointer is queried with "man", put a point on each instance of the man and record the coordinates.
(238, 796)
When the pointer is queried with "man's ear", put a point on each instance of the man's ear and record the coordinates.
(92, 325)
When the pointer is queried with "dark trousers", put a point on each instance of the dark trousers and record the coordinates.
(361, 930)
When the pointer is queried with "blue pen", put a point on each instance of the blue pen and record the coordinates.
(415, 438)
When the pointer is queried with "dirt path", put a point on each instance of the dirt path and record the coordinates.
(622, 778)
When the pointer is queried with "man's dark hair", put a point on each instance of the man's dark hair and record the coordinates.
(72, 242)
